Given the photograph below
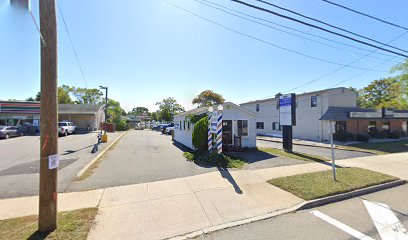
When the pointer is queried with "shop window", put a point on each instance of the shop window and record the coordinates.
(184, 123)
(371, 125)
(404, 126)
(259, 125)
(257, 107)
(242, 127)
(180, 125)
(276, 126)
(386, 126)
(313, 101)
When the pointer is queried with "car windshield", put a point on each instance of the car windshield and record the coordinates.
(62, 124)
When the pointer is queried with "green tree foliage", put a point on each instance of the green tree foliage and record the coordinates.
(168, 108)
(30, 99)
(38, 96)
(115, 113)
(200, 135)
(87, 95)
(63, 94)
(154, 116)
(383, 93)
(208, 98)
(141, 111)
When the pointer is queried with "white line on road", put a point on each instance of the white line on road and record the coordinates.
(387, 224)
(341, 226)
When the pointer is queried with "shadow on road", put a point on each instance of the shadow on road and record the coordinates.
(67, 152)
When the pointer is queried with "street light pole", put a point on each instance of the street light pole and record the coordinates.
(106, 104)
(47, 217)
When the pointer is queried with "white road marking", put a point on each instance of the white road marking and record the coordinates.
(341, 226)
(387, 224)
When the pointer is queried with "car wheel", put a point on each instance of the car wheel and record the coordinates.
(7, 136)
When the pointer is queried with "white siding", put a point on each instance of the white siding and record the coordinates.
(308, 125)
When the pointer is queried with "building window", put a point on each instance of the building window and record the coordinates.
(313, 101)
(371, 125)
(257, 107)
(242, 127)
(297, 102)
(404, 126)
(259, 125)
(188, 125)
(276, 126)
(184, 123)
(386, 126)
(180, 126)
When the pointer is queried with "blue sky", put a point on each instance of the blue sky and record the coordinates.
(149, 50)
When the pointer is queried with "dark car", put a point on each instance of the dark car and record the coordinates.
(9, 131)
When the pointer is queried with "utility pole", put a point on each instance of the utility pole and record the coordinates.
(47, 217)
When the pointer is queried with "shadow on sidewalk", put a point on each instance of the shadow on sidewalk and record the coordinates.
(226, 174)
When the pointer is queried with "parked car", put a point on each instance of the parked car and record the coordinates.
(65, 128)
(163, 130)
(169, 130)
(9, 131)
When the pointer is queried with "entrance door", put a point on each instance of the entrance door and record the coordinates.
(340, 131)
(227, 132)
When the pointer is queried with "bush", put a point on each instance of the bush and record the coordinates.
(200, 135)
(373, 132)
(394, 135)
(382, 134)
(122, 126)
(214, 159)
(189, 156)
(362, 138)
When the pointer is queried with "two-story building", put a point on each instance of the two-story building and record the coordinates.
(310, 107)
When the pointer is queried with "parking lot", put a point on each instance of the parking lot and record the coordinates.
(19, 162)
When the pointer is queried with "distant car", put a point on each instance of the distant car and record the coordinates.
(66, 128)
(169, 130)
(9, 131)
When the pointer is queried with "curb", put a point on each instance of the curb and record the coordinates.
(311, 145)
(355, 193)
(300, 206)
(79, 174)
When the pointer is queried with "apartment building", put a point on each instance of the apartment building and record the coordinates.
(310, 107)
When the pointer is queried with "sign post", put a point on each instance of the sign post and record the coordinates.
(332, 130)
(287, 119)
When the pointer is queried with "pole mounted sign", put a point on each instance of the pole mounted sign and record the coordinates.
(287, 109)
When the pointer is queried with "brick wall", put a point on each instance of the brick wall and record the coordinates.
(360, 126)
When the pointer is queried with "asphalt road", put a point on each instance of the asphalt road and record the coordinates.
(319, 151)
(19, 162)
(146, 156)
(306, 225)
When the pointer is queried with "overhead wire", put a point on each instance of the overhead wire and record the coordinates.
(366, 15)
(204, 2)
(264, 41)
(322, 29)
(72, 44)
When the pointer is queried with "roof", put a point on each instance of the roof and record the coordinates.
(201, 110)
(301, 94)
(342, 113)
(79, 108)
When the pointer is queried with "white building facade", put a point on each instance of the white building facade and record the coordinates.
(309, 109)
(238, 126)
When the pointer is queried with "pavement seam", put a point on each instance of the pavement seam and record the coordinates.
(99, 202)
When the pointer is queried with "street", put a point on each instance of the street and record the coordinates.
(319, 151)
(146, 156)
(19, 165)
(306, 225)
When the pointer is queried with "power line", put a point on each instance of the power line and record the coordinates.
(269, 26)
(264, 41)
(322, 29)
(330, 25)
(365, 14)
(294, 29)
(72, 44)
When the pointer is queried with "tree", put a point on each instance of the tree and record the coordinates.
(168, 108)
(63, 94)
(115, 113)
(38, 96)
(208, 98)
(199, 136)
(154, 116)
(141, 111)
(402, 68)
(30, 99)
(87, 95)
(382, 93)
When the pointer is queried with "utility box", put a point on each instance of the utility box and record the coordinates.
(105, 138)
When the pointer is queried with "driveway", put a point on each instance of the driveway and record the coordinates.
(146, 156)
(319, 151)
(19, 163)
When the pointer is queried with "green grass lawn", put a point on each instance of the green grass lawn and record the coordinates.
(223, 160)
(381, 147)
(294, 155)
(71, 225)
(321, 184)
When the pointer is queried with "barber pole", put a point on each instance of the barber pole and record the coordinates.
(219, 133)
(209, 140)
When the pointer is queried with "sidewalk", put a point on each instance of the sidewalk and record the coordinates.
(165, 209)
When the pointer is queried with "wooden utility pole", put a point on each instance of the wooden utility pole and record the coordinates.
(47, 219)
